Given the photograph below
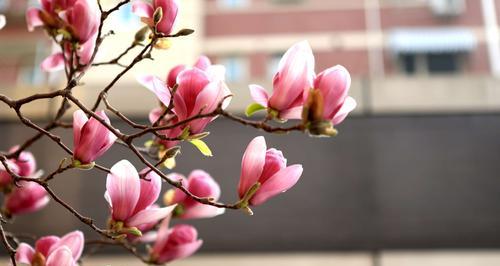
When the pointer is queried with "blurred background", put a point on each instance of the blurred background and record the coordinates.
(412, 178)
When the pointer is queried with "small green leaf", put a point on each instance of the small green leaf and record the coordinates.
(202, 146)
(199, 135)
(253, 108)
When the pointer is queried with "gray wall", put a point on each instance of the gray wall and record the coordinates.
(384, 182)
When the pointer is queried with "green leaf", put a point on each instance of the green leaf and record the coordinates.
(253, 108)
(202, 146)
(199, 135)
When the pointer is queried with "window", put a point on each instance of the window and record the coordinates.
(236, 68)
(233, 3)
(431, 63)
(286, 2)
(4, 5)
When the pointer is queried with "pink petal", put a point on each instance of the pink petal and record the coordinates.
(295, 75)
(252, 164)
(33, 18)
(52, 63)
(334, 85)
(202, 211)
(347, 107)
(74, 241)
(150, 215)
(84, 17)
(292, 113)
(60, 257)
(79, 120)
(172, 75)
(180, 108)
(191, 82)
(123, 187)
(275, 161)
(150, 190)
(202, 184)
(170, 10)
(142, 9)
(278, 183)
(202, 63)
(95, 139)
(259, 94)
(162, 236)
(44, 244)
(157, 86)
(29, 197)
(24, 253)
(25, 161)
(179, 196)
(87, 49)
(180, 251)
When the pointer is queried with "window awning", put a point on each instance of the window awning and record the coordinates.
(431, 40)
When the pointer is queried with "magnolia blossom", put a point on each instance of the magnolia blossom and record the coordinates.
(200, 184)
(174, 243)
(268, 168)
(3, 21)
(91, 139)
(52, 250)
(5, 177)
(25, 162)
(199, 92)
(333, 84)
(28, 197)
(170, 10)
(131, 199)
(79, 18)
(292, 81)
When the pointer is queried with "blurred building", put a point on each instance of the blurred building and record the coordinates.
(406, 56)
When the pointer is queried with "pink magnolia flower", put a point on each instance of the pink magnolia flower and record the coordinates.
(199, 183)
(52, 250)
(131, 199)
(25, 162)
(5, 177)
(267, 167)
(28, 197)
(91, 138)
(170, 10)
(179, 242)
(333, 84)
(294, 78)
(199, 92)
(80, 18)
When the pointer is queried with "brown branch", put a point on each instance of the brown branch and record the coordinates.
(6, 244)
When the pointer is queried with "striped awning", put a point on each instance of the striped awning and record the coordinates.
(431, 40)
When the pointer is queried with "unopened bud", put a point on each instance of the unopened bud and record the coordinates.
(157, 16)
(314, 107)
